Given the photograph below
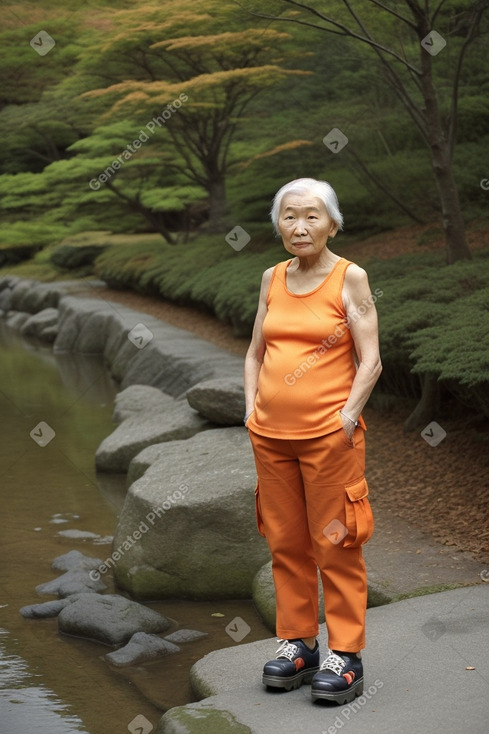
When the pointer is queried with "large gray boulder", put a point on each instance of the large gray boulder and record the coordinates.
(139, 349)
(143, 461)
(15, 320)
(139, 399)
(221, 400)
(197, 501)
(42, 325)
(111, 619)
(33, 296)
(144, 429)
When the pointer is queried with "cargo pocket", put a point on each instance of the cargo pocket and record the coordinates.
(359, 517)
(259, 520)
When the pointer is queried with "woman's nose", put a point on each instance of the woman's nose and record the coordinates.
(300, 226)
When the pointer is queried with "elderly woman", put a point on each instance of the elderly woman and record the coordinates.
(310, 368)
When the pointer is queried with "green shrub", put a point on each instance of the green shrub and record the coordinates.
(83, 257)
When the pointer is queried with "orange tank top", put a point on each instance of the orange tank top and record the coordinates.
(309, 364)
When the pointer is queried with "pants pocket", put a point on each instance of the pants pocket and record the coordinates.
(259, 520)
(359, 517)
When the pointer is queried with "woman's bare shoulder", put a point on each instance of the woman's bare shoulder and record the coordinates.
(355, 274)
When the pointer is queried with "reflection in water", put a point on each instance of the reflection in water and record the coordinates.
(61, 683)
(23, 703)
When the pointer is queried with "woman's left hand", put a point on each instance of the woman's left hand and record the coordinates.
(348, 426)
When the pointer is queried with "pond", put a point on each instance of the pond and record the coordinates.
(56, 409)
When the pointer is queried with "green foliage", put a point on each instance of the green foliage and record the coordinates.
(435, 319)
(207, 273)
(81, 258)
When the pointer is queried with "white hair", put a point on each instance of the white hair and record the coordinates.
(322, 189)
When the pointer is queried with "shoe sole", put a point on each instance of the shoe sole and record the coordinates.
(341, 697)
(275, 681)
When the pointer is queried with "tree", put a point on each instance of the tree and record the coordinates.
(403, 37)
(203, 78)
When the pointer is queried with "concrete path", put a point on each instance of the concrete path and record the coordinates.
(426, 670)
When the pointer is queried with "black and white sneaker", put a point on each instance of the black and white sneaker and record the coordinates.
(340, 678)
(294, 665)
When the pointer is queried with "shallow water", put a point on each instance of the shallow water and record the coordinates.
(55, 410)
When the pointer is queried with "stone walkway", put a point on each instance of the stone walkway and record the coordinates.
(426, 670)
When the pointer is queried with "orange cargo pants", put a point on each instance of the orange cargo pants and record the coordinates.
(312, 507)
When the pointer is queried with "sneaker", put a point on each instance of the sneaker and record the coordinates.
(340, 678)
(294, 665)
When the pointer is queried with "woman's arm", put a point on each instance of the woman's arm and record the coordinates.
(362, 320)
(256, 350)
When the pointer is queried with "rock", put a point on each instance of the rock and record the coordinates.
(44, 610)
(74, 560)
(197, 501)
(41, 324)
(19, 292)
(16, 319)
(71, 582)
(139, 399)
(110, 618)
(185, 635)
(74, 533)
(220, 400)
(49, 334)
(33, 296)
(263, 593)
(143, 461)
(143, 429)
(169, 358)
(141, 648)
(5, 298)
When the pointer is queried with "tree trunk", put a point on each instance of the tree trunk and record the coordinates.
(425, 411)
(218, 207)
(437, 132)
(453, 223)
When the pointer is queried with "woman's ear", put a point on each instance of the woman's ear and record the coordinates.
(333, 230)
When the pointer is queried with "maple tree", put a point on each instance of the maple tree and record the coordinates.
(194, 88)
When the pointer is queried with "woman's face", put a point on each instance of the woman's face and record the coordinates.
(304, 224)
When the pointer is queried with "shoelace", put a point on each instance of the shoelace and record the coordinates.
(287, 650)
(333, 662)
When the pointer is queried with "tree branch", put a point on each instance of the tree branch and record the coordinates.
(438, 8)
(471, 35)
(346, 31)
(393, 12)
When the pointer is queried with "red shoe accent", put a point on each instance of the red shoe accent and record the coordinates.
(350, 677)
(299, 663)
